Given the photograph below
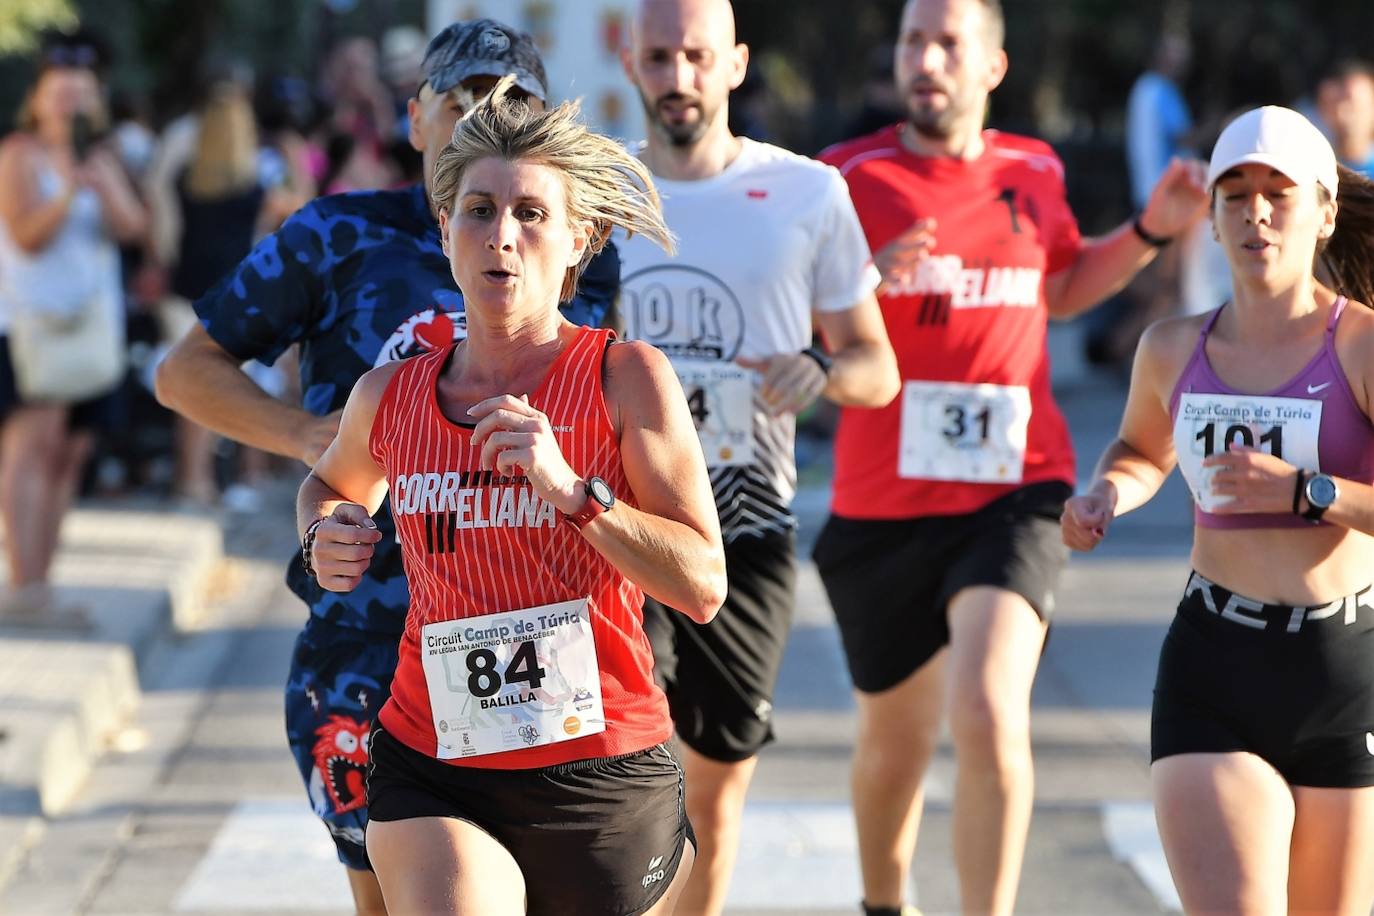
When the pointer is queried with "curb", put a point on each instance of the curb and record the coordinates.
(65, 698)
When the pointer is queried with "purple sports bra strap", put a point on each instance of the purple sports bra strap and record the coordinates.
(1206, 329)
(1336, 308)
(1212, 321)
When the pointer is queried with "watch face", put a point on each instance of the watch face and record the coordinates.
(600, 491)
(1321, 491)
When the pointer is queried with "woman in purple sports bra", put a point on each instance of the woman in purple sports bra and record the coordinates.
(1262, 732)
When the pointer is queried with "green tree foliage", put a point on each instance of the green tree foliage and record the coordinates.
(22, 20)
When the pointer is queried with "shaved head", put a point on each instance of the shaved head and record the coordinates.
(714, 18)
(684, 60)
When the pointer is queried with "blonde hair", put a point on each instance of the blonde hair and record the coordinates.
(226, 146)
(606, 186)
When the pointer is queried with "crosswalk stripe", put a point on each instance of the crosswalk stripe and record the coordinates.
(796, 856)
(270, 855)
(1134, 840)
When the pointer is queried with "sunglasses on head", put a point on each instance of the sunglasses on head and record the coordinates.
(70, 56)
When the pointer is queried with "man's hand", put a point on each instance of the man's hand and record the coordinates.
(344, 543)
(1178, 200)
(316, 435)
(899, 259)
(790, 381)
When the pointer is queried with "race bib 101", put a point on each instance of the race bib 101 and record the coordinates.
(1206, 424)
(507, 681)
(972, 433)
(721, 398)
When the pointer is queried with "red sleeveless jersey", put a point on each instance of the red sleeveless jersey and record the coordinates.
(476, 543)
(974, 314)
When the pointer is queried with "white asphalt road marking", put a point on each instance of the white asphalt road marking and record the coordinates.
(270, 855)
(796, 856)
(1134, 839)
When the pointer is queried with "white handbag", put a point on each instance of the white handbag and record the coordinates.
(67, 358)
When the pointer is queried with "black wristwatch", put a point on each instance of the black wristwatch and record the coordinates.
(599, 499)
(1320, 491)
(822, 358)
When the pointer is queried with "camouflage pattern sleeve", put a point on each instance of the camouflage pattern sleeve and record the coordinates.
(277, 295)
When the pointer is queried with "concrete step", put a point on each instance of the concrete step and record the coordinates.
(65, 695)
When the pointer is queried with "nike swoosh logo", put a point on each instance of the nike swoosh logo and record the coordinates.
(1369, 742)
(1313, 389)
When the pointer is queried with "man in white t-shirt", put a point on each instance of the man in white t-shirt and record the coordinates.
(768, 247)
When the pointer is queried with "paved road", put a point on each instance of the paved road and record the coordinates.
(198, 809)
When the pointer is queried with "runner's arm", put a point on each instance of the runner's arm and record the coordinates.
(202, 381)
(347, 471)
(345, 488)
(864, 372)
(1104, 266)
(670, 545)
(1136, 464)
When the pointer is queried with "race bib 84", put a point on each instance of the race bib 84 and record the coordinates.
(507, 681)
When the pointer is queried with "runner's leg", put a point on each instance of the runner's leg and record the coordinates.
(995, 643)
(715, 806)
(444, 865)
(339, 678)
(719, 679)
(1330, 864)
(672, 897)
(898, 731)
(1226, 821)
(367, 893)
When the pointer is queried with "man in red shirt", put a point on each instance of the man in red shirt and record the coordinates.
(943, 548)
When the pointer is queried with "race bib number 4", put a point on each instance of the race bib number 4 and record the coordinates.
(1206, 424)
(721, 398)
(963, 432)
(503, 682)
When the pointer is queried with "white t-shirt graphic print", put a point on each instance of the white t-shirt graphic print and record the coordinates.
(761, 246)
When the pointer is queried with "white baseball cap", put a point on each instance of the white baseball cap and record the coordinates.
(1279, 138)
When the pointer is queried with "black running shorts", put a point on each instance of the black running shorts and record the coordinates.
(719, 677)
(594, 836)
(891, 581)
(1294, 686)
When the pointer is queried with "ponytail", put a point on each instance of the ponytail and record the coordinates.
(1349, 254)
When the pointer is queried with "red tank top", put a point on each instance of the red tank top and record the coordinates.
(969, 331)
(475, 543)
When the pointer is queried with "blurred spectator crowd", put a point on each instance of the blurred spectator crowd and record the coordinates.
(211, 181)
(254, 147)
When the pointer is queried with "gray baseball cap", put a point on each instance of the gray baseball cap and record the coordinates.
(484, 47)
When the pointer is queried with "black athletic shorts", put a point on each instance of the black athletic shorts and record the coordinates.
(1294, 686)
(890, 581)
(719, 677)
(602, 836)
